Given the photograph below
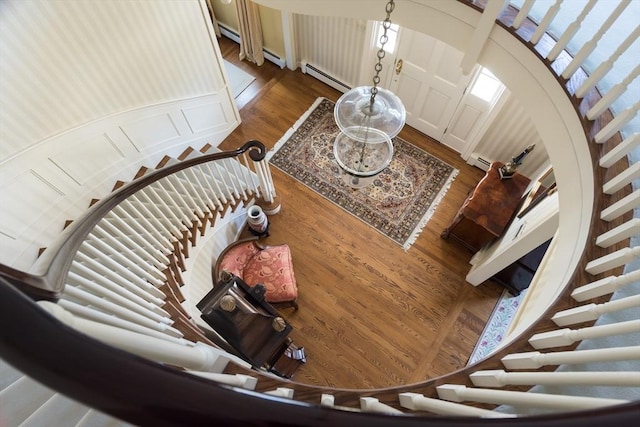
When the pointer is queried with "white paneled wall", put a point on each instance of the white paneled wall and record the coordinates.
(90, 92)
(333, 44)
(66, 63)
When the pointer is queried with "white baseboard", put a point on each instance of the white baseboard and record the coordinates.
(270, 56)
(323, 76)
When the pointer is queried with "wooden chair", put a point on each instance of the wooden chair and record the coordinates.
(255, 264)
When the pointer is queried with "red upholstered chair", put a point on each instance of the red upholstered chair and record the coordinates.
(270, 266)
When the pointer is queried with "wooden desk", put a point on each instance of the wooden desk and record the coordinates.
(488, 209)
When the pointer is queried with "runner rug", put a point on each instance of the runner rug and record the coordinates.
(399, 202)
(497, 325)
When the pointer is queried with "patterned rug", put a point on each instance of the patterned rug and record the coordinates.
(401, 199)
(497, 325)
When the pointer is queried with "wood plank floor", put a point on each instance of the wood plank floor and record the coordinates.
(371, 315)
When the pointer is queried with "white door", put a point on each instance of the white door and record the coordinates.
(428, 79)
(476, 110)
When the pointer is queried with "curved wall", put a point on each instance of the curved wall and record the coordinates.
(90, 92)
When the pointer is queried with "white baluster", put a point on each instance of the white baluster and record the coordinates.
(623, 179)
(193, 191)
(371, 404)
(189, 210)
(606, 66)
(622, 206)
(546, 21)
(263, 180)
(266, 180)
(619, 151)
(151, 303)
(417, 402)
(102, 250)
(223, 192)
(124, 277)
(168, 333)
(158, 218)
(619, 233)
(619, 121)
(241, 174)
(605, 286)
(563, 337)
(86, 298)
(238, 174)
(205, 183)
(119, 268)
(589, 47)
(169, 222)
(226, 180)
(522, 14)
(460, 393)
(149, 230)
(75, 281)
(107, 240)
(500, 378)
(201, 190)
(200, 357)
(194, 195)
(281, 392)
(535, 359)
(613, 260)
(327, 400)
(588, 312)
(570, 31)
(612, 95)
(125, 232)
(251, 175)
(170, 207)
(235, 380)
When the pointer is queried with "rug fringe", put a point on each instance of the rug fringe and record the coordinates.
(432, 208)
(293, 128)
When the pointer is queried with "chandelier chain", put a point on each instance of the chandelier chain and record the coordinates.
(386, 24)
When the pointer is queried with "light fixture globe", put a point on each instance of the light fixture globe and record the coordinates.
(354, 110)
(363, 156)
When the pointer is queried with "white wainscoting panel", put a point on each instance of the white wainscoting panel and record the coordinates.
(210, 116)
(83, 158)
(67, 63)
(21, 190)
(65, 172)
(156, 129)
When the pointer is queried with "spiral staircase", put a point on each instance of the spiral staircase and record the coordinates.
(104, 321)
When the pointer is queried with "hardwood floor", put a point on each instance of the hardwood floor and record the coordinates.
(371, 315)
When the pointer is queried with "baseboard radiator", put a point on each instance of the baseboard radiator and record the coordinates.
(269, 56)
(323, 76)
(478, 161)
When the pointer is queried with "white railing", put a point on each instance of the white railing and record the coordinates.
(129, 265)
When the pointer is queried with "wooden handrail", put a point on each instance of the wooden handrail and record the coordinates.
(143, 392)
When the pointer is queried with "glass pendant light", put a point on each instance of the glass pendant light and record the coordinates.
(368, 117)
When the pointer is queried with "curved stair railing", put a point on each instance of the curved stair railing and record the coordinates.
(116, 277)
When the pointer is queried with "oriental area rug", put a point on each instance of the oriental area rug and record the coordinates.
(397, 204)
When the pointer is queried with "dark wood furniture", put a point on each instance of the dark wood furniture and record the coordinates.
(517, 276)
(488, 209)
(244, 320)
